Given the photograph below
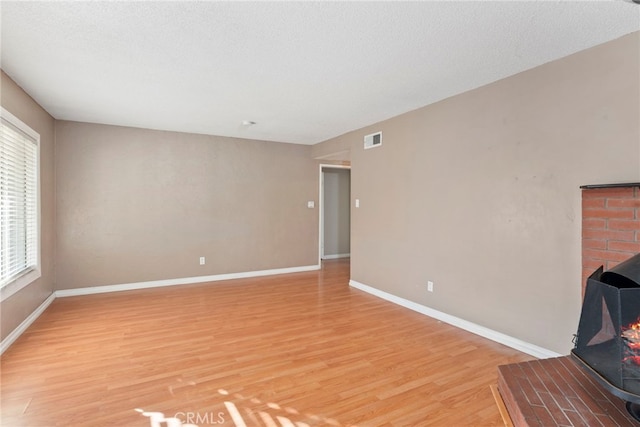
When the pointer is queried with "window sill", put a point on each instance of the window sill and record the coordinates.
(13, 287)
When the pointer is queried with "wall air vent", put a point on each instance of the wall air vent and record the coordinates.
(373, 140)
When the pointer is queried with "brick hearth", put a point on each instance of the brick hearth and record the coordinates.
(557, 392)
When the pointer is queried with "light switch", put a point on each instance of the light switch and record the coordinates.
(311, 204)
(357, 203)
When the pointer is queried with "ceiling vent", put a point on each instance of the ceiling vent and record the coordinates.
(373, 140)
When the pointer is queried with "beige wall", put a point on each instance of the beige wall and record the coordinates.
(337, 195)
(20, 305)
(333, 151)
(479, 193)
(138, 205)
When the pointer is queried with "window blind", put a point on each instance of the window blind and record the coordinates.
(18, 202)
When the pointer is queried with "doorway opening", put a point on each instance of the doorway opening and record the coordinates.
(335, 212)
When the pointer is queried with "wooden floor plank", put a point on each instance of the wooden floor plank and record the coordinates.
(303, 349)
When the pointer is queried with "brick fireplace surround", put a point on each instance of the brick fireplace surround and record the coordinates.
(610, 226)
(556, 392)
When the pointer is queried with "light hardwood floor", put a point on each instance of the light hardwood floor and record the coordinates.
(301, 349)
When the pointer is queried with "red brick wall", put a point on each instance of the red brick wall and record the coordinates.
(610, 227)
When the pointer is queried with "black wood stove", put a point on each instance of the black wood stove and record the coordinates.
(607, 344)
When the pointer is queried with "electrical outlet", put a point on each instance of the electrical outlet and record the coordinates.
(202, 260)
(430, 286)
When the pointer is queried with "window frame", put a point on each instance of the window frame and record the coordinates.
(31, 275)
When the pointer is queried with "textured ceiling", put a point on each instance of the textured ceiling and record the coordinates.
(304, 71)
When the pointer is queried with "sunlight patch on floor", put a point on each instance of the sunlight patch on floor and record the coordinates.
(252, 415)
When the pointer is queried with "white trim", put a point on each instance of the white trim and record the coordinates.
(35, 273)
(525, 347)
(321, 255)
(20, 282)
(183, 281)
(15, 334)
(336, 256)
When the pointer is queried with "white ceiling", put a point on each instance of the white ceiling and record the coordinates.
(303, 71)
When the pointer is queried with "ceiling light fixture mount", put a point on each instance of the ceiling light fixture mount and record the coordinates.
(248, 123)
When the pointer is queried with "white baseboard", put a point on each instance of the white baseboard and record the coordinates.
(9, 339)
(499, 337)
(336, 256)
(183, 281)
(525, 347)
